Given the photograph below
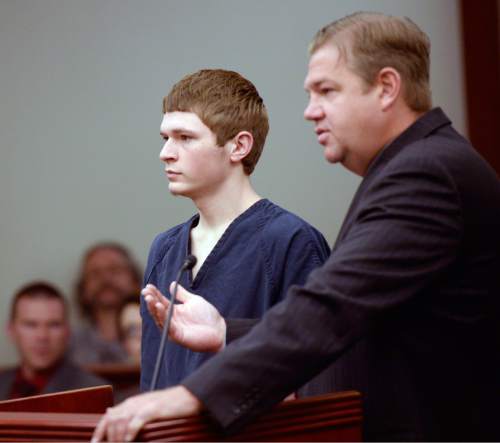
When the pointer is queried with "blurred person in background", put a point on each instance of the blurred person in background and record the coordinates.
(130, 328)
(108, 275)
(38, 327)
(130, 332)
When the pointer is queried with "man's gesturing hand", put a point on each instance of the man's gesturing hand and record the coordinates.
(196, 324)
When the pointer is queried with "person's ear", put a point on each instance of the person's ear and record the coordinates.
(389, 87)
(240, 146)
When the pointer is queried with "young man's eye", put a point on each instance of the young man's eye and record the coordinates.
(165, 138)
(185, 137)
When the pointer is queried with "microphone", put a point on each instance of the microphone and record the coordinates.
(188, 264)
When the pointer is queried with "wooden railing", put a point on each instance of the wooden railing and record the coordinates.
(333, 417)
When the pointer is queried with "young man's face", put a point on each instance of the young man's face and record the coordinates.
(195, 166)
(40, 332)
(344, 110)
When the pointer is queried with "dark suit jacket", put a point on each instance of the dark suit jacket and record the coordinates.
(67, 377)
(405, 310)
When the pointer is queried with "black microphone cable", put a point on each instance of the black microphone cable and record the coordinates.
(189, 262)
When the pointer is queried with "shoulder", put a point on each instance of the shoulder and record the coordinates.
(78, 376)
(87, 347)
(7, 373)
(443, 152)
(282, 228)
(164, 241)
(7, 376)
(280, 223)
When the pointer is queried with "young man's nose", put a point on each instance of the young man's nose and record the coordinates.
(168, 152)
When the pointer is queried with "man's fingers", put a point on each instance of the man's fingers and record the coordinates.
(152, 291)
(182, 294)
(160, 314)
(99, 431)
(133, 428)
(119, 430)
(156, 303)
(151, 305)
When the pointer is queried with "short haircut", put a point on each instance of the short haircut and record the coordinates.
(34, 290)
(370, 41)
(225, 102)
(83, 305)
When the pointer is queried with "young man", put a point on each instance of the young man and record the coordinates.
(39, 329)
(249, 251)
(406, 307)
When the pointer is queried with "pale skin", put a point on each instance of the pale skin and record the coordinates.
(213, 178)
(196, 324)
(40, 332)
(344, 111)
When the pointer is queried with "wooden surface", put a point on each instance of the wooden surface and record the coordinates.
(333, 417)
(87, 400)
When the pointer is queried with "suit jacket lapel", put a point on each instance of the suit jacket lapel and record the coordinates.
(425, 125)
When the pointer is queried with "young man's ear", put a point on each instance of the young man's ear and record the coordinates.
(240, 146)
(389, 82)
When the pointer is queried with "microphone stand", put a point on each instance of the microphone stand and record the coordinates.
(188, 264)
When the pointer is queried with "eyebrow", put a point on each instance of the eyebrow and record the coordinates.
(318, 84)
(178, 130)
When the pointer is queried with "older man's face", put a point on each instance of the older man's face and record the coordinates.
(344, 110)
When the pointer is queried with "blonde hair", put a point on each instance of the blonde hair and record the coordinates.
(370, 41)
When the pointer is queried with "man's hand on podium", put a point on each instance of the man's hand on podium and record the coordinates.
(123, 422)
(196, 324)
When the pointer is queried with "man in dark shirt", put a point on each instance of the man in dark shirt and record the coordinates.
(406, 308)
(214, 127)
(39, 329)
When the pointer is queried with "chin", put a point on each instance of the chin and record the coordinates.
(39, 366)
(333, 158)
(175, 191)
(333, 154)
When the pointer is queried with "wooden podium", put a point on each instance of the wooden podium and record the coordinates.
(333, 417)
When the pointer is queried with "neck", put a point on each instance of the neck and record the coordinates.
(406, 118)
(105, 323)
(218, 210)
(402, 118)
(29, 373)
